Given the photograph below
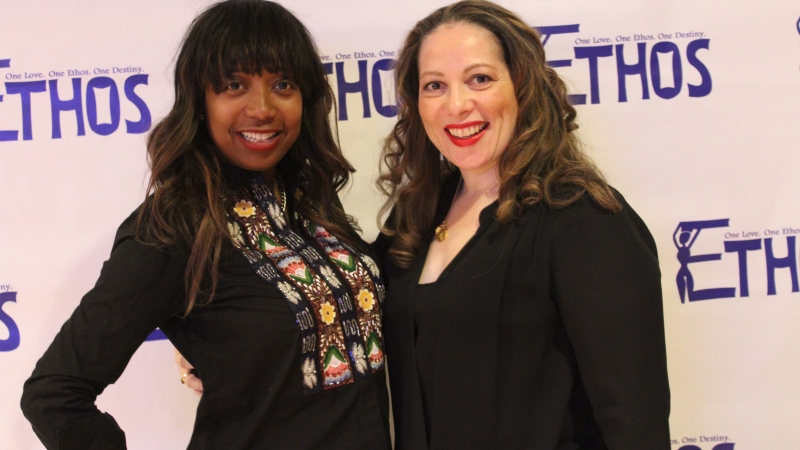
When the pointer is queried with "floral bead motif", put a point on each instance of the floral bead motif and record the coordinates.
(244, 208)
(366, 300)
(328, 313)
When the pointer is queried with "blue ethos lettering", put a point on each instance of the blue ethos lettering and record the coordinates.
(546, 33)
(362, 86)
(77, 103)
(648, 70)
(687, 233)
(647, 67)
(12, 342)
(773, 263)
(639, 67)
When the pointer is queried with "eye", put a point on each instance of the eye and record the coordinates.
(284, 86)
(481, 80)
(433, 87)
(233, 85)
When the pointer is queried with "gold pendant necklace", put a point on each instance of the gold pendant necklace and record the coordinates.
(441, 230)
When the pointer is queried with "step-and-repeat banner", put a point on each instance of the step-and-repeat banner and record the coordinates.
(692, 110)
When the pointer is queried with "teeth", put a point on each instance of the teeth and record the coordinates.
(468, 131)
(259, 137)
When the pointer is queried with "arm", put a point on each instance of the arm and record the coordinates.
(607, 286)
(139, 287)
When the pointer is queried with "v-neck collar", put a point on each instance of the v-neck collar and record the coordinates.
(486, 216)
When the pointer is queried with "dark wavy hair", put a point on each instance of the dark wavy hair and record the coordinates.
(188, 179)
(543, 161)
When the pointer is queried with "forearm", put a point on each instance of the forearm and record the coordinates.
(63, 414)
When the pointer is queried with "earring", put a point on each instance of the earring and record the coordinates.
(200, 117)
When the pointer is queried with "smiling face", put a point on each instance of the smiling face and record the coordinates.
(255, 119)
(466, 99)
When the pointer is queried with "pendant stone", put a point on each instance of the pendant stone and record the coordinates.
(441, 232)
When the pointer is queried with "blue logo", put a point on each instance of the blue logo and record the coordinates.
(26, 85)
(647, 64)
(740, 243)
(362, 84)
(651, 50)
(12, 342)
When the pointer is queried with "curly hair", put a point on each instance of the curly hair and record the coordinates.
(188, 179)
(544, 160)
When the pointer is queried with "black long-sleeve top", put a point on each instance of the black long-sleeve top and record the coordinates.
(245, 345)
(544, 333)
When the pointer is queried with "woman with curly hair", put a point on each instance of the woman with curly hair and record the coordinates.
(242, 255)
(524, 303)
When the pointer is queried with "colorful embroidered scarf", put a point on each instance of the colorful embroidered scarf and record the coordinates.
(337, 298)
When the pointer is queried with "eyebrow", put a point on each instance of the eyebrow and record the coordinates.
(467, 69)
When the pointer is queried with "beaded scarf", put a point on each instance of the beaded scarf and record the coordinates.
(335, 292)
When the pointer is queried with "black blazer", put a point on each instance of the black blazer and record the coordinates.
(545, 333)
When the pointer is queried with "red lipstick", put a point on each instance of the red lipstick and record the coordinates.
(469, 140)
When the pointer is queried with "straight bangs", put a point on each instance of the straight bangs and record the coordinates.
(251, 36)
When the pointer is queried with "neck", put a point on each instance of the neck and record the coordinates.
(479, 182)
(269, 175)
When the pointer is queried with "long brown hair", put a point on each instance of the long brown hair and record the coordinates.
(188, 179)
(543, 162)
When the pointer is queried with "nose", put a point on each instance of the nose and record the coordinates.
(459, 100)
(259, 105)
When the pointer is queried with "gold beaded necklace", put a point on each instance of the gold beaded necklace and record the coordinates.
(281, 189)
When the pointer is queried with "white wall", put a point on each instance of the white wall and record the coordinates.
(730, 152)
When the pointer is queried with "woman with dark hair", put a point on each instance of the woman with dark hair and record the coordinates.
(524, 305)
(242, 255)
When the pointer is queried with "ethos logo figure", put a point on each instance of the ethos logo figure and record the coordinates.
(743, 244)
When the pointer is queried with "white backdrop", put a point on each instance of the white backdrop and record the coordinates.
(707, 147)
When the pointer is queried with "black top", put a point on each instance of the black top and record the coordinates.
(545, 333)
(426, 359)
(245, 345)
